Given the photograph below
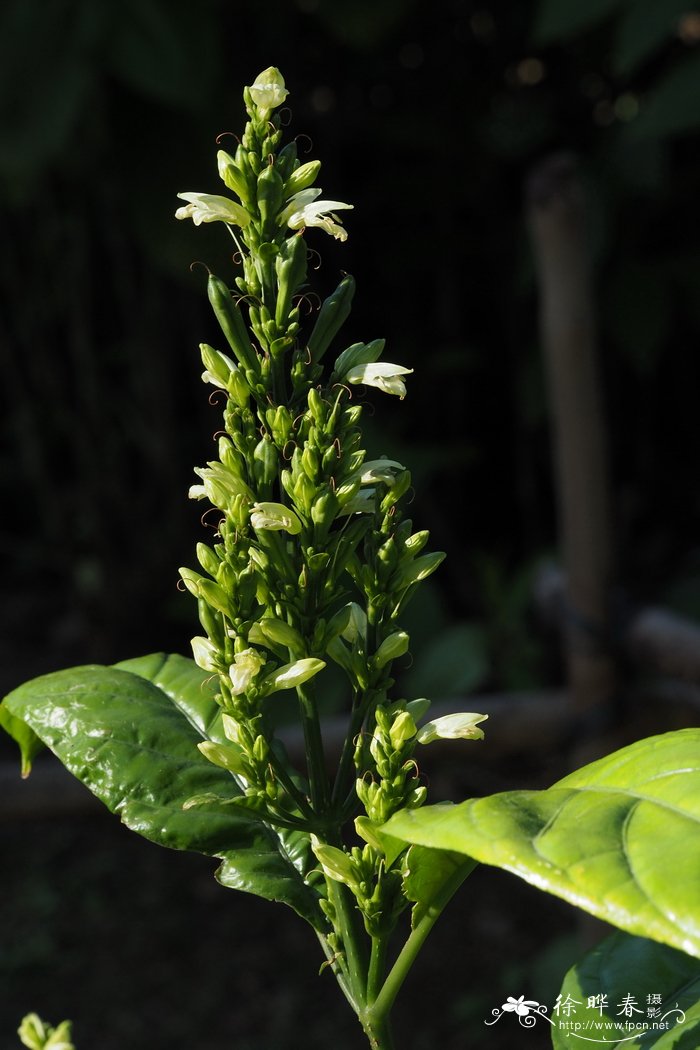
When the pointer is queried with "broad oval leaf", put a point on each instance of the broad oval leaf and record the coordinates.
(631, 981)
(619, 838)
(130, 734)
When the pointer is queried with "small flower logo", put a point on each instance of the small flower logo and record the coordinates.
(520, 1006)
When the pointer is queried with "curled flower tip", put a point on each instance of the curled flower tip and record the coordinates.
(303, 209)
(209, 207)
(461, 726)
(268, 91)
(382, 374)
(275, 517)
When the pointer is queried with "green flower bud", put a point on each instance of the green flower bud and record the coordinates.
(402, 731)
(265, 458)
(356, 355)
(270, 193)
(335, 863)
(420, 569)
(303, 177)
(208, 559)
(324, 510)
(226, 756)
(232, 176)
(276, 631)
(261, 749)
(192, 580)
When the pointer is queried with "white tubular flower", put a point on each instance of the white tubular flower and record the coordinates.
(245, 667)
(275, 517)
(462, 726)
(383, 375)
(291, 675)
(220, 485)
(380, 470)
(205, 654)
(209, 207)
(268, 91)
(303, 209)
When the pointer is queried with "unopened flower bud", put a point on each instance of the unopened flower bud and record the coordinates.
(402, 730)
(391, 648)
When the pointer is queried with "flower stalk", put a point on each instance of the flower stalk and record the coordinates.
(313, 560)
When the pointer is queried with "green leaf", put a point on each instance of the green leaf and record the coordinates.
(558, 20)
(130, 734)
(619, 838)
(428, 871)
(26, 739)
(622, 967)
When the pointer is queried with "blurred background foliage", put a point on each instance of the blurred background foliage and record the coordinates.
(428, 118)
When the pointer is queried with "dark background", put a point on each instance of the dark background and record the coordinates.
(428, 118)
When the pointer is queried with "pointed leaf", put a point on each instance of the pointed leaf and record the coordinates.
(619, 838)
(660, 987)
(26, 739)
(132, 738)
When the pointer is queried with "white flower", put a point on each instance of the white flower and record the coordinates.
(462, 726)
(209, 207)
(303, 209)
(268, 91)
(205, 653)
(276, 517)
(244, 669)
(291, 675)
(382, 374)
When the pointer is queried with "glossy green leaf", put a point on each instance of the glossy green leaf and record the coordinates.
(619, 838)
(129, 733)
(631, 980)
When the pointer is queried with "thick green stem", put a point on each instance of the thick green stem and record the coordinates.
(377, 966)
(398, 973)
(348, 925)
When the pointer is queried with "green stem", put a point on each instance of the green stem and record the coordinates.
(313, 740)
(348, 925)
(399, 971)
(377, 966)
(290, 787)
(342, 784)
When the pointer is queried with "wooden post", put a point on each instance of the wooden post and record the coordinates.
(556, 215)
